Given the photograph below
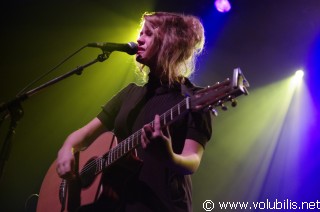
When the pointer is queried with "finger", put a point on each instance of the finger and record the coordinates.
(166, 132)
(148, 131)
(157, 125)
(66, 169)
(61, 170)
(143, 139)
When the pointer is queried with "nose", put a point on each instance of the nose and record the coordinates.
(140, 40)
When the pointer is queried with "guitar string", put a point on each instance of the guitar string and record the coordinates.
(92, 164)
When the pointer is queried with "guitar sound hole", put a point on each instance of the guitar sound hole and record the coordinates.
(87, 174)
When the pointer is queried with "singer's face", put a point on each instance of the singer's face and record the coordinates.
(146, 55)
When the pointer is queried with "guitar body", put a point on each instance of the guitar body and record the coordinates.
(53, 188)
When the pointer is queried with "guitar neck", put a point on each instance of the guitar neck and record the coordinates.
(134, 140)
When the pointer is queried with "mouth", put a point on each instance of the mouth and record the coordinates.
(140, 49)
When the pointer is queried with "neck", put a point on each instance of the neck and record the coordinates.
(156, 79)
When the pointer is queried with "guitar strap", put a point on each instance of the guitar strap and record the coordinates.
(187, 88)
(132, 104)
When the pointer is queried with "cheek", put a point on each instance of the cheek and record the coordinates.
(152, 50)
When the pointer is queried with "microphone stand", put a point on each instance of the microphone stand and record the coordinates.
(14, 110)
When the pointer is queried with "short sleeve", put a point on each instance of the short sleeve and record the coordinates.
(199, 127)
(111, 109)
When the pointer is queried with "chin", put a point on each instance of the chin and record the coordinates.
(140, 59)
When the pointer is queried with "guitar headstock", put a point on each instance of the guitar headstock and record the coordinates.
(221, 92)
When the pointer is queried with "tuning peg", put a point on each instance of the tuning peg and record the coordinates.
(224, 107)
(213, 111)
(233, 102)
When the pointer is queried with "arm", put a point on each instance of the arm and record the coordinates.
(185, 163)
(189, 160)
(76, 141)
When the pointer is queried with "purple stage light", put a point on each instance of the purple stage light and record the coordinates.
(222, 5)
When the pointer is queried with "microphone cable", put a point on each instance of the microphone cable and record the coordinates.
(48, 72)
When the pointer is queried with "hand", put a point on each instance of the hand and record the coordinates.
(155, 137)
(65, 163)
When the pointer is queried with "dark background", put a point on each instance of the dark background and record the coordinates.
(269, 40)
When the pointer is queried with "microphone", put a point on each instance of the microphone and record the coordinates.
(130, 48)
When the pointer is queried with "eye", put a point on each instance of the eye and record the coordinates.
(148, 32)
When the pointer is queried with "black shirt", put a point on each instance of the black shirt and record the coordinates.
(157, 187)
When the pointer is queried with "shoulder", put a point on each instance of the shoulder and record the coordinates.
(131, 87)
(131, 91)
(189, 87)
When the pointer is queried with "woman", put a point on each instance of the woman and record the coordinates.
(167, 45)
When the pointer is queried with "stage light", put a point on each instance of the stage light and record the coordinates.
(299, 74)
(297, 78)
(222, 5)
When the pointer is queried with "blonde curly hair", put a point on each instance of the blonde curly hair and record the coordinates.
(179, 39)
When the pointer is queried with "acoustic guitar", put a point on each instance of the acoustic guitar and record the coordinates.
(105, 155)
